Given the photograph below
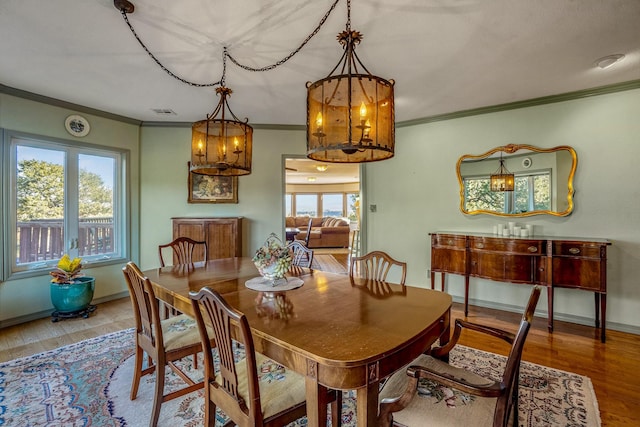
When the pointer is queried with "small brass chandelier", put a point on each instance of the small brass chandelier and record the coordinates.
(350, 116)
(221, 144)
(502, 179)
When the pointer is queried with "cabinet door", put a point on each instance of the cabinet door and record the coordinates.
(223, 238)
(448, 253)
(194, 230)
(579, 265)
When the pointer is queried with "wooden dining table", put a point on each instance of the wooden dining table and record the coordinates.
(338, 332)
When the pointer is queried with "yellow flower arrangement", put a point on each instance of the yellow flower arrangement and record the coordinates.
(67, 270)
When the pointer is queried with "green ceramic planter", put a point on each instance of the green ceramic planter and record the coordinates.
(72, 298)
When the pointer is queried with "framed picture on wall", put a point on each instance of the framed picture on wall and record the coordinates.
(212, 189)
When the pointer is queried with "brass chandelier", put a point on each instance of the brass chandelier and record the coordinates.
(221, 145)
(501, 179)
(351, 115)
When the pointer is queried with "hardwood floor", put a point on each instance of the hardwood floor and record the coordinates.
(43, 334)
(612, 367)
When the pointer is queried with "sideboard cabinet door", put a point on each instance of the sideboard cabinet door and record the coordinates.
(223, 235)
(448, 253)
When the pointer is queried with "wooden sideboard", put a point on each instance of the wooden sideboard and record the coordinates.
(223, 235)
(553, 262)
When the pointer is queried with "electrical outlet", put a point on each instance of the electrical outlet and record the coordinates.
(373, 208)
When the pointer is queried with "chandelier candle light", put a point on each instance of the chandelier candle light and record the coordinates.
(221, 145)
(350, 116)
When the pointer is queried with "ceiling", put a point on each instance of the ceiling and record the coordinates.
(299, 171)
(444, 55)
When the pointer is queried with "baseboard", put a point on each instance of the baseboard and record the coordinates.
(580, 320)
(47, 313)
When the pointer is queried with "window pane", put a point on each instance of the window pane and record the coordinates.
(480, 197)
(542, 192)
(40, 208)
(287, 205)
(95, 204)
(306, 204)
(521, 194)
(332, 205)
(353, 207)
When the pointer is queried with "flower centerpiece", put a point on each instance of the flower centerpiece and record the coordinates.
(273, 259)
(71, 291)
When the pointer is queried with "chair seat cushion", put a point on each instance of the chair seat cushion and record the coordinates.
(179, 331)
(438, 405)
(280, 388)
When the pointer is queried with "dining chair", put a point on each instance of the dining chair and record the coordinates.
(164, 341)
(492, 402)
(376, 266)
(302, 255)
(239, 389)
(183, 248)
(308, 235)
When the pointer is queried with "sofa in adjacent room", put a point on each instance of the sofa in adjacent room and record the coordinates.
(326, 232)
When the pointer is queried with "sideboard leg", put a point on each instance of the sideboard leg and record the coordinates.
(597, 298)
(603, 315)
(433, 279)
(550, 307)
(466, 296)
(442, 281)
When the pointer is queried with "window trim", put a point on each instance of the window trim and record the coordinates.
(122, 208)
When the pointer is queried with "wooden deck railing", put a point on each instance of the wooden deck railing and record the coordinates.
(43, 239)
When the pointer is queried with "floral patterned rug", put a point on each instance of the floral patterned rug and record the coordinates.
(88, 383)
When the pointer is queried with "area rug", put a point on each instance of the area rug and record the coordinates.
(327, 262)
(87, 384)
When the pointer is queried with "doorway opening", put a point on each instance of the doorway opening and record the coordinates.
(326, 194)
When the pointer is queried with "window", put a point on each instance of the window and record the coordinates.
(332, 204)
(345, 205)
(306, 204)
(288, 207)
(532, 192)
(65, 199)
(353, 207)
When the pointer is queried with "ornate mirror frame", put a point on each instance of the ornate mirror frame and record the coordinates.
(526, 158)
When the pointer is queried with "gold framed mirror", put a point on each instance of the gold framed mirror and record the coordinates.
(543, 181)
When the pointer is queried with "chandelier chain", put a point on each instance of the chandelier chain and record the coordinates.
(226, 53)
(290, 55)
(157, 61)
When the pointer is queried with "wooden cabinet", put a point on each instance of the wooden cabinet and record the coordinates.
(223, 235)
(548, 261)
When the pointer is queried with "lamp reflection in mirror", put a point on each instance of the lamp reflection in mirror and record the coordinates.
(502, 179)
(221, 145)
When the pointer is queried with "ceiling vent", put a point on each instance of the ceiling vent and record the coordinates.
(164, 112)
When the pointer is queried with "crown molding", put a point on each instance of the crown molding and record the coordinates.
(64, 104)
(569, 96)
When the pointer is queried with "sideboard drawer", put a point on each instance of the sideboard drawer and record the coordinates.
(507, 245)
(577, 249)
(449, 241)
